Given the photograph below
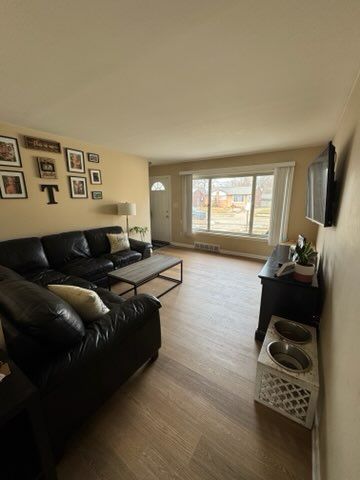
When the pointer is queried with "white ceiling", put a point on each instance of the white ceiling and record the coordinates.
(179, 79)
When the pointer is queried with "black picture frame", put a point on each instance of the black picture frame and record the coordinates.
(72, 156)
(12, 196)
(4, 162)
(97, 195)
(74, 187)
(93, 157)
(95, 177)
(44, 164)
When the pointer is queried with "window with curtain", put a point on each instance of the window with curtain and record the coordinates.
(239, 205)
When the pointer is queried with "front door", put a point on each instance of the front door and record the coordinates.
(160, 202)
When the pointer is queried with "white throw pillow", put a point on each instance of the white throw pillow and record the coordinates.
(118, 242)
(86, 302)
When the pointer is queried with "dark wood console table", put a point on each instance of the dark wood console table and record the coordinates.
(286, 297)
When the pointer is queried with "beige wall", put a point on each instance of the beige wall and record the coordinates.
(297, 222)
(124, 177)
(339, 407)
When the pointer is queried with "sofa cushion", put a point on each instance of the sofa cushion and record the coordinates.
(89, 268)
(118, 242)
(121, 259)
(23, 255)
(8, 274)
(45, 277)
(40, 314)
(98, 241)
(65, 247)
(87, 303)
(109, 298)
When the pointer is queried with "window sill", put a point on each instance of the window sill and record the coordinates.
(242, 236)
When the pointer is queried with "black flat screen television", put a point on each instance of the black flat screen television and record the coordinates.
(320, 194)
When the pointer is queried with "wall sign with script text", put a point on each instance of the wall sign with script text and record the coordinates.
(42, 144)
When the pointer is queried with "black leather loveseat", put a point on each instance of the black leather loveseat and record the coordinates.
(76, 365)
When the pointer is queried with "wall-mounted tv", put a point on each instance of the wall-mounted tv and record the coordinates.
(320, 194)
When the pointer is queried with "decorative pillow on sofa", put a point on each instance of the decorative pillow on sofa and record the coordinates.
(118, 242)
(86, 302)
(40, 314)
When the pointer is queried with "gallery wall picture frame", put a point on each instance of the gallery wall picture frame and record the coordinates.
(78, 187)
(97, 195)
(9, 152)
(12, 184)
(47, 167)
(75, 160)
(43, 144)
(93, 157)
(95, 177)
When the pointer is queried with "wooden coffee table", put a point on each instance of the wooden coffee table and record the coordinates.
(143, 271)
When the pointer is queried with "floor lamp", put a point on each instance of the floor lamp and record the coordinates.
(127, 209)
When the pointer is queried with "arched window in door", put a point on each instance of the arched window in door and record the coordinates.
(157, 186)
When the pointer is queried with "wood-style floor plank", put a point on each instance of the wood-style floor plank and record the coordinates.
(191, 414)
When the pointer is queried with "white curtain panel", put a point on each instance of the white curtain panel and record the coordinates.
(187, 204)
(280, 207)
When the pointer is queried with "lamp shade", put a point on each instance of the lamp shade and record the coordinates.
(126, 208)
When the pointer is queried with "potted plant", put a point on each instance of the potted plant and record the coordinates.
(304, 258)
(140, 230)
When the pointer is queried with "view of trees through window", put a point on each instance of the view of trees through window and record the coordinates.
(239, 205)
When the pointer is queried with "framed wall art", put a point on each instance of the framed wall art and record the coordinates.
(42, 144)
(47, 167)
(75, 161)
(9, 152)
(96, 195)
(93, 157)
(12, 184)
(95, 177)
(78, 187)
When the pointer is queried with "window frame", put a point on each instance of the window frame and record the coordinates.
(163, 189)
(209, 230)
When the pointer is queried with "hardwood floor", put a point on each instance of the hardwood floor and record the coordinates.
(191, 414)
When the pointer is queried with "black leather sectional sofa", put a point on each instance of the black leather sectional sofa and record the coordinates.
(85, 254)
(76, 365)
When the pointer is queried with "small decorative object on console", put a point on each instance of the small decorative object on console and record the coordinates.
(304, 258)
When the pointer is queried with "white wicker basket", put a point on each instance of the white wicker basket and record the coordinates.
(291, 393)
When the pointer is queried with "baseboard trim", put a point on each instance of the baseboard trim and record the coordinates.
(316, 473)
(223, 252)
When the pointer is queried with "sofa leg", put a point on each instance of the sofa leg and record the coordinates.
(154, 357)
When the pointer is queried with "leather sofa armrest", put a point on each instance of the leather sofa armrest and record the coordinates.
(142, 247)
(139, 306)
